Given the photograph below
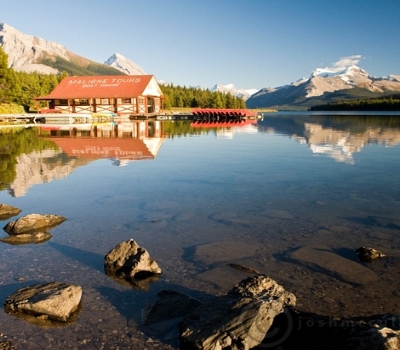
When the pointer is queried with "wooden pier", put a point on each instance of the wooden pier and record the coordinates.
(56, 118)
(200, 115)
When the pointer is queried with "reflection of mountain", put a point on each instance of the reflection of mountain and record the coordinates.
(338, 137)
(41, 167)
(79, 144)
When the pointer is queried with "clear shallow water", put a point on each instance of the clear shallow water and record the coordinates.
(291, 196)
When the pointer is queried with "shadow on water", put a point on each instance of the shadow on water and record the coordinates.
(93, 260)
(374, 221)
(134, 305)
(131, 303)
(347, 253)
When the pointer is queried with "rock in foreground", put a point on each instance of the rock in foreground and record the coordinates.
(32, 223)
(237, 320)
(55, 300)
(366, 254)
(130, 262)
(27, 238)
(8, 211)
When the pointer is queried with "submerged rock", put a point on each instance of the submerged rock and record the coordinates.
(237, 320)
(368, 254)
(8, 211)
(27, 238)
(55, 300)
(32, 223)
(131, 263)
(323, 259)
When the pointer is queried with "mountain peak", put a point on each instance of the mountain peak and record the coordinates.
(230, 88)
(124, 65)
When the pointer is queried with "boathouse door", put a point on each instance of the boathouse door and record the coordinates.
(150, 105)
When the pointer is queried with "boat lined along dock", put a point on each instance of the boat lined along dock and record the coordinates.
(222, 124)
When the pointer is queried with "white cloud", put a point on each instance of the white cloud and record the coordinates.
(347, 61)
(344, 62)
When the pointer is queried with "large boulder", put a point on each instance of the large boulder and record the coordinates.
(127, 261)
(32, 223)
(238, 320)
(55, 300)
(8, 211)
(27, 238)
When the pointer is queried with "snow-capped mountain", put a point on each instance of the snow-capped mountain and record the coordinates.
(124, 65)
(230, 88)
(324, 84)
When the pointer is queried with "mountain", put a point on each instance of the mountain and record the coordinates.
(323, 86)
(124, 65)
(29, 53)
(230, 88)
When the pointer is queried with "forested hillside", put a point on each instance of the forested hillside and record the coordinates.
(388, 103)
(177, 96)
(19, 88)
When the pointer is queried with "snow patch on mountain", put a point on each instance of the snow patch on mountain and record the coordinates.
(23, 50)
(230, 88)
(124, 65)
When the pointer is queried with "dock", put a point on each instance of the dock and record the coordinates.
(200, 115)
(57, 118)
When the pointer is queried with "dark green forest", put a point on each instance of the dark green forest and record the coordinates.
(388, 103)
(191, 97)
(19, 88)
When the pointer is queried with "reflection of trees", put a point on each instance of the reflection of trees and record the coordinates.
(180, 128)
(13, 143)
(184, 128)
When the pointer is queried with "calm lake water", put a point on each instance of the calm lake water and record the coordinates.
(291, 195)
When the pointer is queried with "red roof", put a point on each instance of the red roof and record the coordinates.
(120, 148)
(107, 86)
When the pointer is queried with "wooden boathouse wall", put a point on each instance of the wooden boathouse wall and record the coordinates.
(123, 95)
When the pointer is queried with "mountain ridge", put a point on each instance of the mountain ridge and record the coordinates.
(324, 86)
(28, 53)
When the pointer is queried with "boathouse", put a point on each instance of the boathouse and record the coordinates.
(123, 95)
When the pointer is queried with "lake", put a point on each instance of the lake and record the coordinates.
(291, 195)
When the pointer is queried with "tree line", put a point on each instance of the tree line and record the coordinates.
(388, 103)
(20, 88)
(192, 97)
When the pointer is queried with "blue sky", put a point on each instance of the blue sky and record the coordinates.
(251, 44)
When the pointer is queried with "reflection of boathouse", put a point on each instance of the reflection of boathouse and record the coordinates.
(123, 141)
(124, 95)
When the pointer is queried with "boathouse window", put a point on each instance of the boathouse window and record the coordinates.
(81, 102)
(61, 102)
(126, 100)
(102, 101)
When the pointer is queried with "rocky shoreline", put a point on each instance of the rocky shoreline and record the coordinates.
(256, 313)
